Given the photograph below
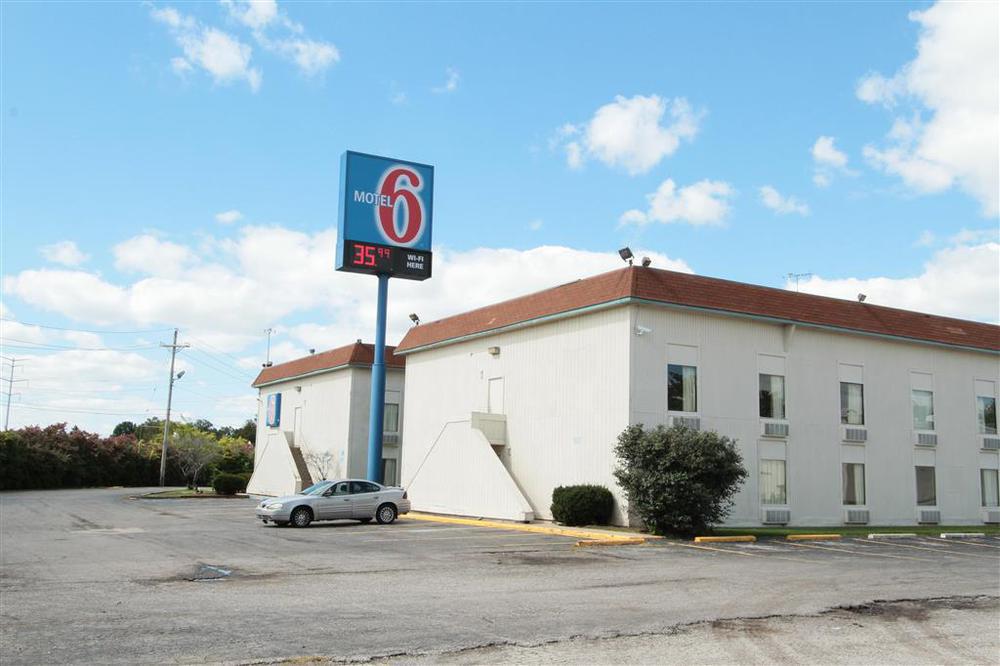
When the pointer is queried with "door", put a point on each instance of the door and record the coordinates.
(365, 498)
(494, 404)
(297, 427)
(337, 504)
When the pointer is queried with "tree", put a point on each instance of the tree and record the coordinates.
(194, 451)
(247, 431)
(124, 428)
(677, 479)
(323, 462)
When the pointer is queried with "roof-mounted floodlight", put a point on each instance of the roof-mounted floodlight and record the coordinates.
(626, 254)
(414, 318)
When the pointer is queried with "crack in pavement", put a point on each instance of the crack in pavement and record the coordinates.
(888, 609)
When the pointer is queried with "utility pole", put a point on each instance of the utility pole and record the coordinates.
(10, 389)
(170, 394)
(267, 361)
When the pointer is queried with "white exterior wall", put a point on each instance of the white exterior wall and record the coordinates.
(565, 395)
(334, 418)
(728, 366)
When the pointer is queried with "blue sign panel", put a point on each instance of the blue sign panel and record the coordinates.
(273, 410)
(385, 219)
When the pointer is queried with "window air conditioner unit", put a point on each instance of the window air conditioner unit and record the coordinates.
(855, 434)
(391, 438)
(856, 516)
(777, 516)
(692, 422)
(991, 517)
(926, 439)
(774, 429)
(930, 517)
(991, 443)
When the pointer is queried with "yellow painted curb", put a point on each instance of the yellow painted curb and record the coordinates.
(813, 537)
(614, 541)
(742, 538)
(586, 535)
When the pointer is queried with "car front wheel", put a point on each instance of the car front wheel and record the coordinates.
(301, 517)
(386, 514)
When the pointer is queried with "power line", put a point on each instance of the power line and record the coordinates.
(86, 330)
(50, 346)
(45, 408)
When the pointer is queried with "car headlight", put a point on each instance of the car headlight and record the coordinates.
(273, 507)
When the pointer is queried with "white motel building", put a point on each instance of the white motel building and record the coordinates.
(844, 411)
(312, 419)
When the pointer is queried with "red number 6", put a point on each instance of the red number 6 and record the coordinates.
(414, 219)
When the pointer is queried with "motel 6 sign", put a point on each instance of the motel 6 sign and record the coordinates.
(384, 223)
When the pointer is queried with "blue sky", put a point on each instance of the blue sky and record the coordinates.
(127, 130)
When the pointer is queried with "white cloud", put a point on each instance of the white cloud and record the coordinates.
(953, 87)
(255, 14)
(77, 294)
(825, 152)
(774, 200)
(629, 133)
(65, 253)
(451, 84)
(269, 273)
(828, 160)
(224, 57)
(962, 280)
(263, 18)
(535, 225)
(703, 203)
(228, 216)
(152, 256)
(312, 57)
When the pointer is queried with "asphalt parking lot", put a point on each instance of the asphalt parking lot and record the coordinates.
(92, 576)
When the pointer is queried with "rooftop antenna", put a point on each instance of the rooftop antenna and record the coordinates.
(797, 277)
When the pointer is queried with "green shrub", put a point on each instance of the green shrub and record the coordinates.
(582, 505)
(230, 484)
(676, 479)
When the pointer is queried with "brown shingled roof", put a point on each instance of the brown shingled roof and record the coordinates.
(725, 296)
(359, 354)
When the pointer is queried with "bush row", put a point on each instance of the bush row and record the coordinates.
(57, 456)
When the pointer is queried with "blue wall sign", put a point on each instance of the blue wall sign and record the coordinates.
(385, 218)
(273, 419)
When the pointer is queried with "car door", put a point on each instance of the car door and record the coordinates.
(366, 498)
(335, 502)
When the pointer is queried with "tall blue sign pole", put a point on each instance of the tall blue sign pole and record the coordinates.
(384, 229)
(376, 414)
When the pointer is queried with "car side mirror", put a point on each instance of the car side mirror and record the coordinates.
(328, 493)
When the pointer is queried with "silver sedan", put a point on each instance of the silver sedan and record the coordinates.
(354, 499)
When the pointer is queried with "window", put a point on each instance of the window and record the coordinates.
(772, 396)
(772, 482)
(923, 409)
(852, 403)
(854, 483)
(682, 388)
(389, 471)
(988, 485)
(390, 421)
(926, 487)
(986, 413)
(358, 487)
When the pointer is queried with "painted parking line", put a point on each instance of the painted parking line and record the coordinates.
(937, 549)
(733, 551)
(964, 542)
(854, 552)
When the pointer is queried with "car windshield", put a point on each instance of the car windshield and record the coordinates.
(316, 488)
